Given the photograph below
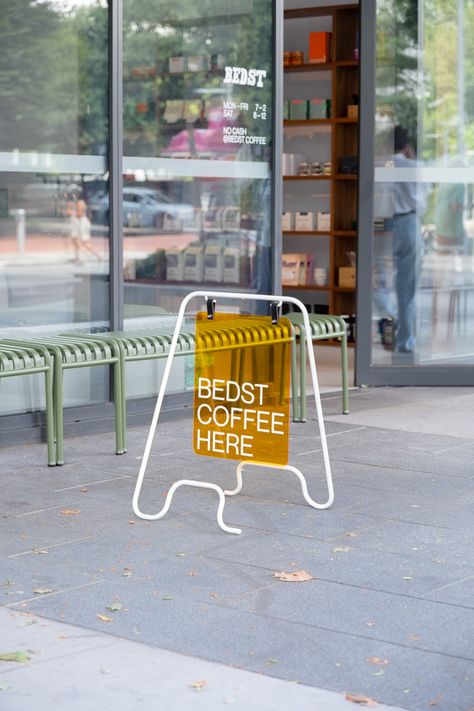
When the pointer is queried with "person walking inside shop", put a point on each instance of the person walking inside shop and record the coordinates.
(408, 206)
(80, 228)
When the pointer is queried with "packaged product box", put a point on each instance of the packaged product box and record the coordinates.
(231, 219)
(298, 109)
(294, 269)
(213, 263)
(196, 63)
(231, 272)
(347, 276)
(174, 109)
(319, 109)
(323, 221)
(319, 47)
(353, 111)
(286, 110)
(304, 221)
(194, 264)
(174, 264)
(290, 269)
(176, 65)
(286, 221)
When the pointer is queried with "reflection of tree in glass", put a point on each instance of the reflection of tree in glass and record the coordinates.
(53, 78)
(155, 30)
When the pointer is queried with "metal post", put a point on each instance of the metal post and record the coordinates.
(20, 220)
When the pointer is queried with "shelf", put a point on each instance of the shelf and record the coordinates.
(340, 289)
(306, 233)
(307, 122)
(345, 119)
(309, 287)
(307, 177)
(347, 63)
(326, 67)
(344, 176)
(345, 233)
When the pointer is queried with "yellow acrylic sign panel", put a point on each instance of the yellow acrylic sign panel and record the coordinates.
(242, 388)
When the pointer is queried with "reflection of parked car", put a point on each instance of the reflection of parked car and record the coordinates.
(142, 207)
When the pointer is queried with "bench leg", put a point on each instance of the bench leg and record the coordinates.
(119, 406)
(294, 382)
(345, 385)
(50, 418)
(58, 413)
(302, 374)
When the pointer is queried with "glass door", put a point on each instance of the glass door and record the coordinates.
(417, 224)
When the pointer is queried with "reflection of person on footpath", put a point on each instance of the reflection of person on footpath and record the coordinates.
(408, 206)
(80, 228)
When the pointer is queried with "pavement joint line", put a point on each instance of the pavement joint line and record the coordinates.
(54, 592)
(32, 551)
(401, 645)
(50, 508)
(331, 434)
(93, 483)
(398, 468)
(448, 585)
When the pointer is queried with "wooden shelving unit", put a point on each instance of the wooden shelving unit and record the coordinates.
(343, 73)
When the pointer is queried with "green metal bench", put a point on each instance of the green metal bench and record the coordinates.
(323, 328)
(150, 344)
(24, 360)
(71, 351)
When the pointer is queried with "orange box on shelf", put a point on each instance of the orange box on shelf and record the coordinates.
(319, 47)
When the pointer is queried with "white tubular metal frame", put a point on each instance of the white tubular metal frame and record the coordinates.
(219, 295)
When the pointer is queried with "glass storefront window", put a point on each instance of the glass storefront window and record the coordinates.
(423, 237)
(54, 255)
(198, 88)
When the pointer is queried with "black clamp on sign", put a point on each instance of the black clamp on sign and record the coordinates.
(275, 311)
(211, 309)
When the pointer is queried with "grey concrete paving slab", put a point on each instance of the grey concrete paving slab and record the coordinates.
(375, 615)
(392, 557)
(99, 671)
(297, 519)
(441, 413)
(420, 542)
(392, 479)
(291, 651)
(459, 593)
(375, 569)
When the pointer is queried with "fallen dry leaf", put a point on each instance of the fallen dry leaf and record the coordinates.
(351, 534)
(341, 549)
(299, 576)
(414, 637)
(104, 618)
(114, 607)
(436, 701)
(14, 657)
(192, 572)
(198, 685)
(83, 491)
(362, 700)
(42, 591)
(132, 523)
(377, 660)
(69, 512)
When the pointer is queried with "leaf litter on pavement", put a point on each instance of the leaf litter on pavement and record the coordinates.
(297, 576)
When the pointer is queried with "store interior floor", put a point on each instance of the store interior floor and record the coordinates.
(328, 367)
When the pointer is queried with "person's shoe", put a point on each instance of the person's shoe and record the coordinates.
(387, 332)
